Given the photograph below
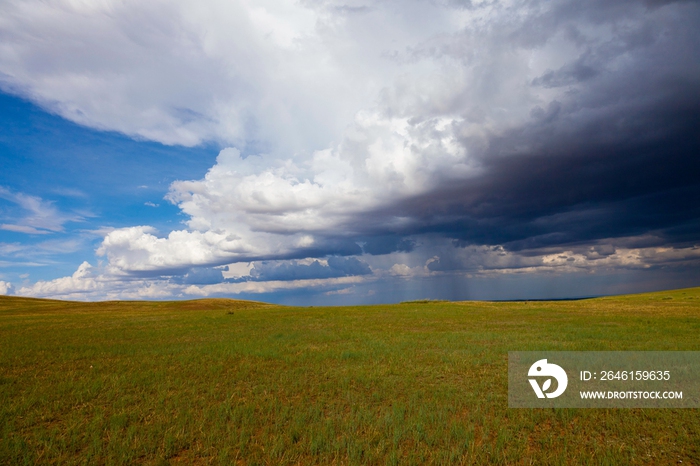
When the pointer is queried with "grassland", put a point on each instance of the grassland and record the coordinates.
(233, 382)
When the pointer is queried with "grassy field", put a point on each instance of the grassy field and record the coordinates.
(233, 382)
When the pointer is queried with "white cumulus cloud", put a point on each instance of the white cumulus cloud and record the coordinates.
(82, 283)
(6, 288)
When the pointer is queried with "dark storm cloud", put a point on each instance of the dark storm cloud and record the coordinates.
(616, 155)
(386, 244)
(587, 186)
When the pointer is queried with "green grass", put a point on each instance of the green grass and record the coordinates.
(226, 382)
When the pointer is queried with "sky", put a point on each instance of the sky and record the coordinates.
(331, 152)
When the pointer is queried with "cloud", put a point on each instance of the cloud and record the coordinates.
(182, 72)
(82, 282)
(42, 248)
(23, 229)
(297, 270)
(203, 276)
(402, 270)
(261, 287)
(90, 283)
(6, 288)
(342, 291)
(488, 260)
(264, 208)
(38, 217)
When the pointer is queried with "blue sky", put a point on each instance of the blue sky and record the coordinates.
(328, 152)
(83, 181)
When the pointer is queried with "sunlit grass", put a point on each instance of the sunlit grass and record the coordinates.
(222, 382)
